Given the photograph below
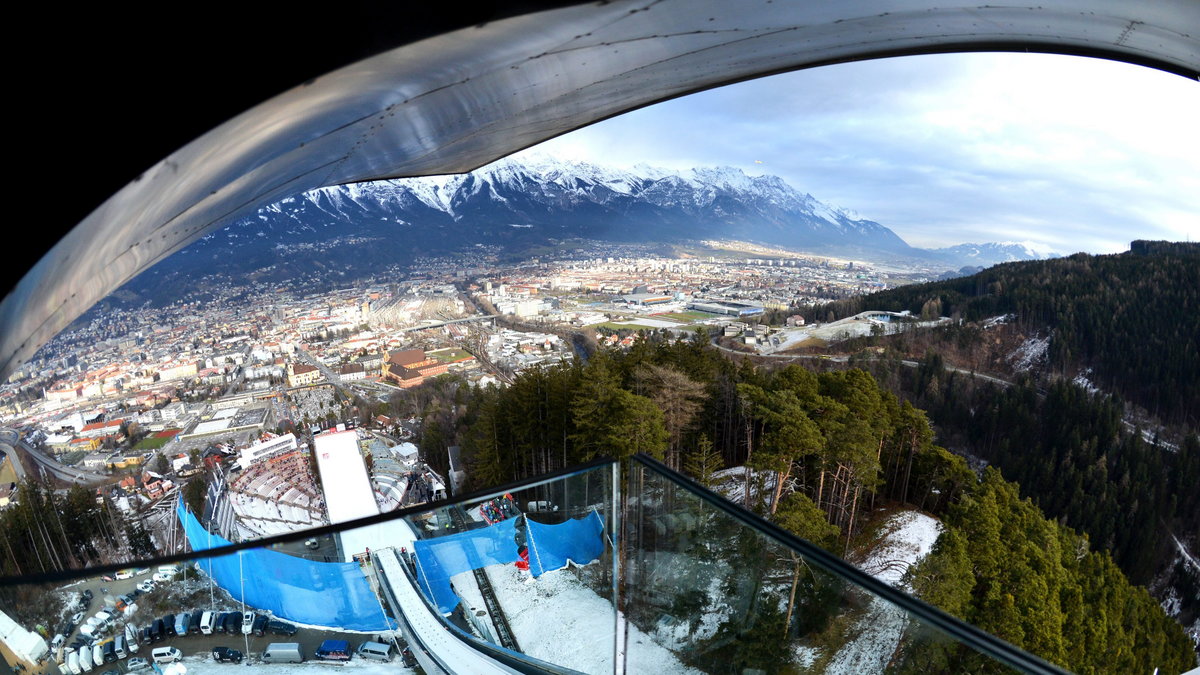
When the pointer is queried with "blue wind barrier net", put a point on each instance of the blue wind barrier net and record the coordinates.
(441, 558)
(331, 594)
(550, 546)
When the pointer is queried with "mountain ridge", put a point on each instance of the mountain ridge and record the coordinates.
(532, 201)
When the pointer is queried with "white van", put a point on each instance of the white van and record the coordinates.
(166, 655)
(283, 652)
(206, 622)
(131, 638)
(375, 650)
(73, 663)
(85, 658)
(169, 569)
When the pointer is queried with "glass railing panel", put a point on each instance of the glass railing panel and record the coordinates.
(433, 583)
(703, 586)
(528, 571)
(710, 588)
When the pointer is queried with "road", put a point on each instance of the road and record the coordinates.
(45, 464)
(1131, 425)
(328, 374)
(846, 359)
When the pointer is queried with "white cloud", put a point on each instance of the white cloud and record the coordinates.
(1066, 152)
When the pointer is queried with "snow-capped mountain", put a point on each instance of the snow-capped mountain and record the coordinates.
(994, 253)
(539, 200)
(517, 204)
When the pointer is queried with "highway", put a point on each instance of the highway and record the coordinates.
(44, 464)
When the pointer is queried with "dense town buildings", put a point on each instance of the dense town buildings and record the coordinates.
(198, 368)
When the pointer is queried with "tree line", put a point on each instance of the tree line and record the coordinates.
(1133, 318)
(826, 449)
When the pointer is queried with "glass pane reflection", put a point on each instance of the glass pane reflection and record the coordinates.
(704, 592)
(522, 580)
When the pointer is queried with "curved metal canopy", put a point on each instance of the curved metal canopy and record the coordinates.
(456, 101)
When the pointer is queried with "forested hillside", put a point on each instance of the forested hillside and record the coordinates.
(1070, 452)
(1132, 318)
(837, 445)
(1004, 567)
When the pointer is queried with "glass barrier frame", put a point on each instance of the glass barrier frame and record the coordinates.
(622, 477)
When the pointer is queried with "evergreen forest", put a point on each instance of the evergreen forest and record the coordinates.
(834, 446)
(1132, 318)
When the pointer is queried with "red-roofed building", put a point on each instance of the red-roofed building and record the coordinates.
(410, 367)
(99, 429)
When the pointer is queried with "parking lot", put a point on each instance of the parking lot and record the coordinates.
(159, 603)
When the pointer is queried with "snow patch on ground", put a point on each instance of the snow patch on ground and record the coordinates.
(998, 320)
(1186, 554)
(557, 619)
(731, 484)
(909, 537)
(1032, 352)
(1081, 380)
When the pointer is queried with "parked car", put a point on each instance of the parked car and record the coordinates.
(280, 628)
(233, 623)
(181, 623)
(206, 622)
(77, 617)
(219, 622)
(226, 655)
(140, 571)
(146, 586)
(137, 663)
(378, 651)
(166, 655)
(333, 650)
(169, 625)
(283, 652)
(260, 625)
(120, 646)
(247, 623)
(124, 574)
(194, 618)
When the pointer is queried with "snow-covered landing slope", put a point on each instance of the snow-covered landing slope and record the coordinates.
(908, 537)
(559, 620)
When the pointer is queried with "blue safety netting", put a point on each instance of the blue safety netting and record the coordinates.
(336, 595)
(441, 558)
(550, 546)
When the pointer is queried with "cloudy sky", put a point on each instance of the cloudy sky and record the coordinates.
(1068, 153)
